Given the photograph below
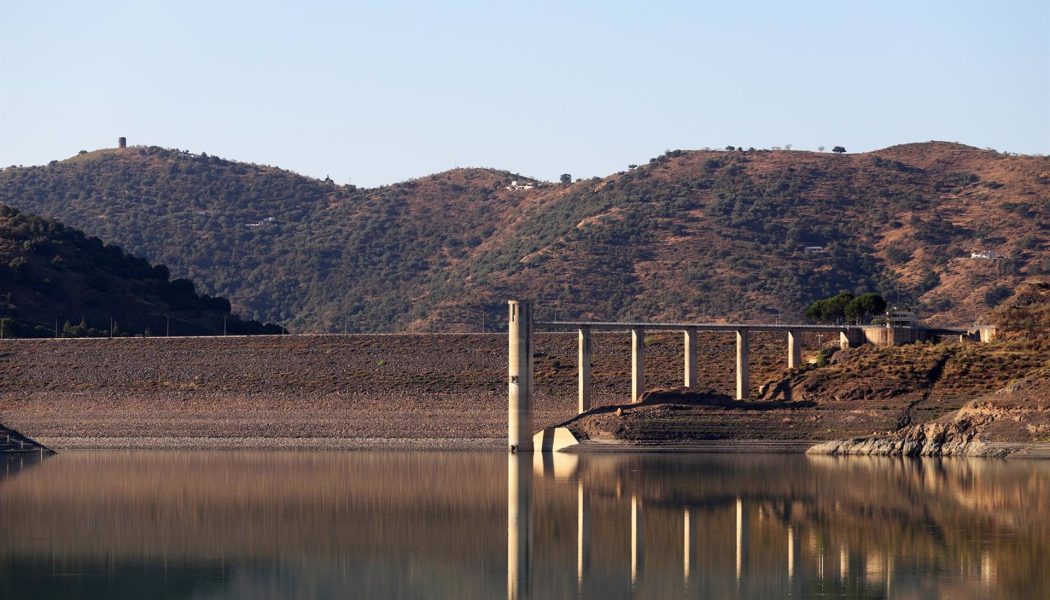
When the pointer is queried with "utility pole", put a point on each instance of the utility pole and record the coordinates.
(111, 327)
(224, 325)
(167, 325)
(56, 328)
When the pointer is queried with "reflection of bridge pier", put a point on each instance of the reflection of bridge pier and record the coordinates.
(583, 535)
(519, 525)
(843, 563)
(688, 547)
(743, 532)
(795, 549)
(637, 540)
(634, 538)
(794, 558)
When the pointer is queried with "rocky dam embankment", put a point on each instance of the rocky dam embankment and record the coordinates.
(425, 390)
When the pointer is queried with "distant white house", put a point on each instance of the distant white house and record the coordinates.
(984, 255)
(815, 250)
(266, 221)
(522, 185)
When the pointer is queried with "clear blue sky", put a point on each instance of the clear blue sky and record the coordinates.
(377, 92)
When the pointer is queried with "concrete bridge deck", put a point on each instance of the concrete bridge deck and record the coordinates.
(683, 326)
(629, 325)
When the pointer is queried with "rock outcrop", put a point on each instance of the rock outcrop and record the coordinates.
(1014, 417)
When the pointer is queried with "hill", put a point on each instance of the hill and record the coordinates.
(53, 277)
(690, 234)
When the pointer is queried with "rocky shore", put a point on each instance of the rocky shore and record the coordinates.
(1016, 419)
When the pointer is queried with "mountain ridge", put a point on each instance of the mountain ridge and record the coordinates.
(690, 234)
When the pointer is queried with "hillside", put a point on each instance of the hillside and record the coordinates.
(53, 276)
(691, 234)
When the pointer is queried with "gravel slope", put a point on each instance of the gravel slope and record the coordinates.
(441, 390)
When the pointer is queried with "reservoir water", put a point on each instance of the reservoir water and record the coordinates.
(153, 524)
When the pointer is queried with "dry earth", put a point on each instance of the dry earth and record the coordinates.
(440, 390)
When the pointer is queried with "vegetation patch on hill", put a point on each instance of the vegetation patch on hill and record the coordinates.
(56, 281)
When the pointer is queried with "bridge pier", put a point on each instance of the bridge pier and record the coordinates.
(583, 358)
(794, 350)
(519, 372)
(743, 375)
(851, 337)
(637, 364)
(689, 360)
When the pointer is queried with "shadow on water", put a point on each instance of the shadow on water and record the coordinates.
(487, 525)
(13, 464)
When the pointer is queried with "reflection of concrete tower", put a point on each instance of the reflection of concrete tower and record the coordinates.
(637, 539)
(688, 546)
(743, 532)
(122, 142)
(519, 525)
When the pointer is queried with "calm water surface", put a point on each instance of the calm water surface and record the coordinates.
(485, 525)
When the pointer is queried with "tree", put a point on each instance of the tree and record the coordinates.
(820, 148)
(864, 306)
(161, 272)
(566, 179)
(830, 310)
(838, 149)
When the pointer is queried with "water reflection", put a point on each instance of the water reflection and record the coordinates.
(229, 524)
(13, 464)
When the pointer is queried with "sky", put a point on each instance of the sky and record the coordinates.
(371, 93)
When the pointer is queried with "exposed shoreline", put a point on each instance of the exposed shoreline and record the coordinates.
(1004, 450)
(333, 391)
(448, 392)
